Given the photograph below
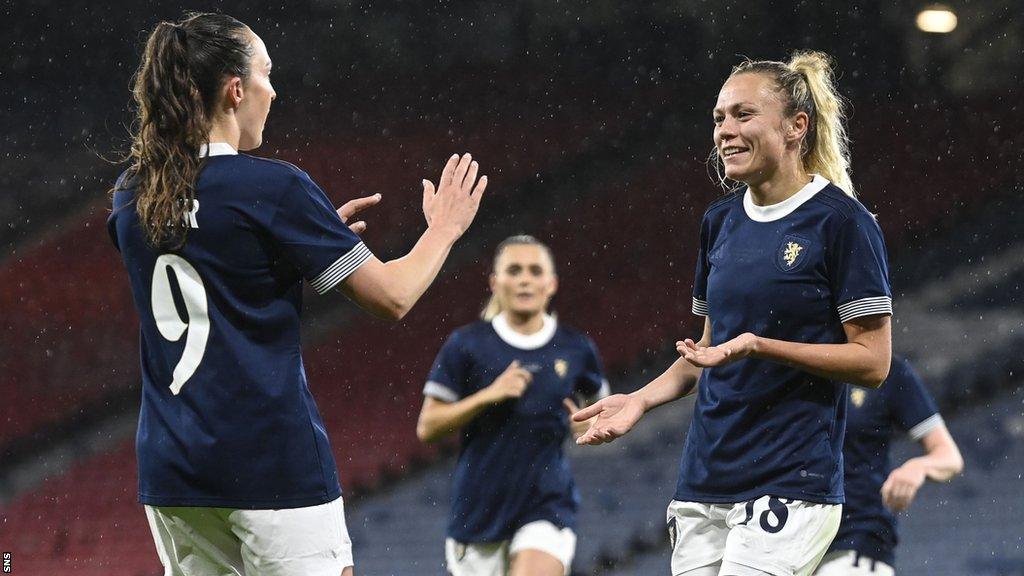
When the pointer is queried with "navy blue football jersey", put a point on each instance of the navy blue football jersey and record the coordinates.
(792, 271)
(902, 404)
(511, 469)
(227, 418)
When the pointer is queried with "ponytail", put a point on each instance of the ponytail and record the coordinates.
(494, 305)
(826, 149)
(176, 91)
(807, 84)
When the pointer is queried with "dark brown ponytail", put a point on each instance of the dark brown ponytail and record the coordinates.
(177, 87)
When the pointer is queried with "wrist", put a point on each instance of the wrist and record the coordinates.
(639, 397)
(448, 232)
(755, 346)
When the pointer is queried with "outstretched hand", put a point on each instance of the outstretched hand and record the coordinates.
(578, 428)
(725, 353)
(457, 199)
(353, 207)
(613, 416)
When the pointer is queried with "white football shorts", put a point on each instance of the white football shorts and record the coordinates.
(778, 536)
(198, 541)
(492, 558)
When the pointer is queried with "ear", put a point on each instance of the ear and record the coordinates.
(492, 281)
(554, 285)
(796, 127)
(234, 91)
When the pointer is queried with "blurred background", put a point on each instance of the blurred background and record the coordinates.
(593, 121)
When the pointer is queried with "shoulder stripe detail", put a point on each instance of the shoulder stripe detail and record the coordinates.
(700, 307)
(865, 307)
(440, 392)
(925, 426)
(341, 268)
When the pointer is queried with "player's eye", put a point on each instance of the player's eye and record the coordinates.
(536, 270)
(513, 270)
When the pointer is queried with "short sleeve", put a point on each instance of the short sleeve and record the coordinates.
(591, 383)
(912, 406)
(700, 278)
(448, 374)
(313, 236)
(859, 269)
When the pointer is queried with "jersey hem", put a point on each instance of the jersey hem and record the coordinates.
(269, 504)
(754, 495)
(558, 524)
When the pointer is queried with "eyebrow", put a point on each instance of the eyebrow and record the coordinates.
(718, 110)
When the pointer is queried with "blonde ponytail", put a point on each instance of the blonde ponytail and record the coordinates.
(494, 306)
(827, 147)
(807, 84)
(491, 309)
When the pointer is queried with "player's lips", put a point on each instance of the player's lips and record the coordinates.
(728, 152)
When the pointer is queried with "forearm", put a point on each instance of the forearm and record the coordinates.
(443, 418)
(939, 465)
(411, 275)
(678, 381)
(390, 289)
(850, 362)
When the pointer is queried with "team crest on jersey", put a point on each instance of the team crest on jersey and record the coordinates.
(561, 367)
(791, 253)
(857, 396)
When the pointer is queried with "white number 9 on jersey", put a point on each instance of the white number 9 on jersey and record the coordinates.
(170, 323)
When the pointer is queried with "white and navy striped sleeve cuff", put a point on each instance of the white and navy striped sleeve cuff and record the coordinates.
(700, 307)
(440, 392)
(865, 307)
(925, 426)
(341, 268)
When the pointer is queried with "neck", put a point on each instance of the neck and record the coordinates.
(783, 184)
(226, 131)
(525, 323)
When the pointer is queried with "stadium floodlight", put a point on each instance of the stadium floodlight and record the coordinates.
(937, 19)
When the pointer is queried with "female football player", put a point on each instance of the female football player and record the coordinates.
(235, 467)
(508, 384)
(866, 542)
(792, 281)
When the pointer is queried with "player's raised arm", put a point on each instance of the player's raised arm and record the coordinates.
(390, 289)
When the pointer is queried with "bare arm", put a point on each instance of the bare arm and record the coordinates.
(390, 289)
(863, 360)
(616, 415)
(438, 418)
(940, 463)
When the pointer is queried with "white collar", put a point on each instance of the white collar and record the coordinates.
(774, 212)
(217, 149)
(525, 341)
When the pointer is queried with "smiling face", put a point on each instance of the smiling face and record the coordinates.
(254, 107)
(752, 136)
(524, 279)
